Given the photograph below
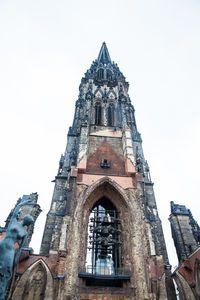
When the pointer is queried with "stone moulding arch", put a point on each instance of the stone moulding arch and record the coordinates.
(111, 92)
(183, 287)
(95, 94)
(21, 285)
(104, 187)
(113, 185)
(86, 198)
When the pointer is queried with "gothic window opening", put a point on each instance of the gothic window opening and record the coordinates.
(103, 255)
(111, 115)
(100, 74)
(129, 116)
(98, 114)
(108, 75)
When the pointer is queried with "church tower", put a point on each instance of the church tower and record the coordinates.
(103, 224)
(103, 238)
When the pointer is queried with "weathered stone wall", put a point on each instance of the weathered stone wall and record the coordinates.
(135, 243)
(183, 236)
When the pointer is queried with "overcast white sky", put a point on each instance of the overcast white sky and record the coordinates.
(46, 47)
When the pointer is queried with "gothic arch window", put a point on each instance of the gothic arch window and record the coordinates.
(35, 283)
(103, 255)
(108, 75)
(111, 115)
(100, 74)
(97, 113)
(129, 115)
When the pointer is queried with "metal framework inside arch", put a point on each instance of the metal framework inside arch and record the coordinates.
(104, 251)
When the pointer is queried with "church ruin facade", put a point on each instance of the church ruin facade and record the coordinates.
(103, 237)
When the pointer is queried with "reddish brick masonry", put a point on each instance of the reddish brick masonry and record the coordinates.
(187, 267)
(105, 151)
(89, 179)
(26, 260)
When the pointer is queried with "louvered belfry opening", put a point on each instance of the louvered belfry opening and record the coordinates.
(103, 257)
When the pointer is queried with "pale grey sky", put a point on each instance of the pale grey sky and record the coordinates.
(46, 47)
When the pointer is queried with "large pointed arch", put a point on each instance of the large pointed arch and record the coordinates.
(36, 283)
(86, 198)
(101, 188)
(105, 188)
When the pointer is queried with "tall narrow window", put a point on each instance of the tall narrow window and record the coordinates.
(111, 115)
(100, 74)
(103, 256)
(108, 75)
(98, 114)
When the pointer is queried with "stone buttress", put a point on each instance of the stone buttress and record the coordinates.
(186, 236)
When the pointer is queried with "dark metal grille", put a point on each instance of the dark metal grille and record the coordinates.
(104, 242)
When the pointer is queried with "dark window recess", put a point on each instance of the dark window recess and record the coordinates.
(108, 75)
(100, 74)
(111, 115)
(103, 263)
(105, 164)
(98, 114)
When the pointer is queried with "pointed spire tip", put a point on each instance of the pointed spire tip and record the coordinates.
(104, 56)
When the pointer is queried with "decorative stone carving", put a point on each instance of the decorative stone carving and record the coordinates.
(35, 284)
(16, 233)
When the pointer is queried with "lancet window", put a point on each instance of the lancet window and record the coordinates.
(111, 115)
(100, 74)
(108, 75)
(98, 114)
(103, 255)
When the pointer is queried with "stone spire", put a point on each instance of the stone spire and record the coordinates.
(103, 104)
(103, 101)
(104, 71)
(104, 56)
